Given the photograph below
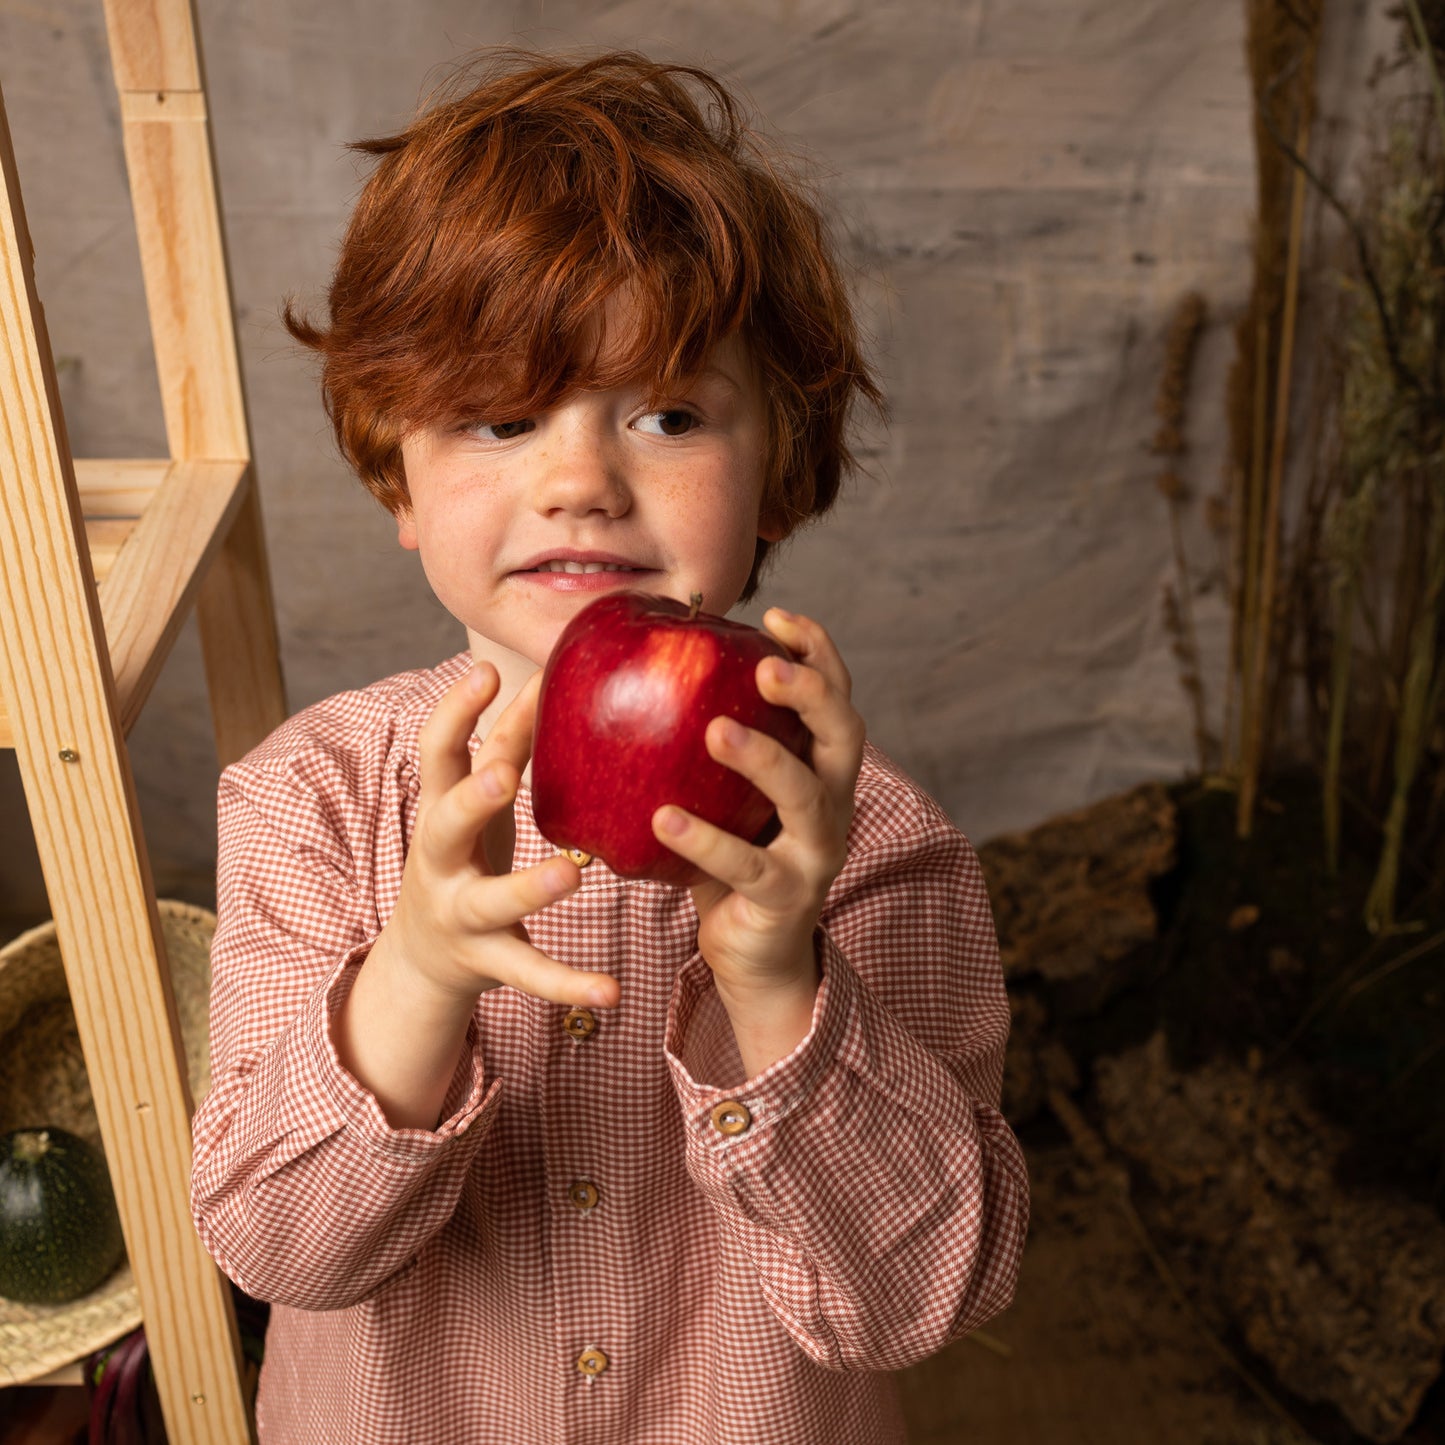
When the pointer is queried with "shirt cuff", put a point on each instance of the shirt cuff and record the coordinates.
(467, 1096)
(700, 1046)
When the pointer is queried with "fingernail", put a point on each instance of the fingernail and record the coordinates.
(490, 783)
(555, 878)
(733, 733)
(672, 821)
(599, 998)
(783, 670)
(784, 613)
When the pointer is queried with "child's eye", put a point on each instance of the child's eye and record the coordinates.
(674, 422)
(500, 431)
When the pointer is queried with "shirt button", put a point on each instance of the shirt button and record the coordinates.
(730, 1117)
(592, 1362)
(583, 1195)
(579, 1022)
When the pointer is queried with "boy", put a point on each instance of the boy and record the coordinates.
(524, 1153)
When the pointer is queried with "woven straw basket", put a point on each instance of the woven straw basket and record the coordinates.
(43, 1082)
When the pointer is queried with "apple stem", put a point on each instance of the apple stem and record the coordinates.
(695, 599)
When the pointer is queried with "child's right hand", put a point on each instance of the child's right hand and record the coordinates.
(457, 927)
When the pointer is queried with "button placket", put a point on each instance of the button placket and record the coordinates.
(581, 1026)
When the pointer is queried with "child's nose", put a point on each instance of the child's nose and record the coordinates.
(582, 473)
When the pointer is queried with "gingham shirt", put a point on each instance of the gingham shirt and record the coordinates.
(580, 1203)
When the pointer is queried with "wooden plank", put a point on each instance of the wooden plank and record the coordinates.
(237, 621)
(148, 593)
(178, 533)
(113, 494)
(118, 487)
(105, 536)
(183, 262)
(162, 105)
(153, 44)
(58, 690)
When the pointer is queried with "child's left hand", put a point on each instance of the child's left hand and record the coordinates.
(759, 908)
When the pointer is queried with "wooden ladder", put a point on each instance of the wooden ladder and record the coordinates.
(100, 562)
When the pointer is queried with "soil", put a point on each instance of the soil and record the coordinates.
(1094, 1350)
(1305, 982)
(1260, 957)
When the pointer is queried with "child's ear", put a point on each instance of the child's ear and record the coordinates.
(406, 528)
(772, 525)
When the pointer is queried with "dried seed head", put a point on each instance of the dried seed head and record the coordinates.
(1172, 486)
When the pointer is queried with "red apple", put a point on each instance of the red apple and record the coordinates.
(627, 695)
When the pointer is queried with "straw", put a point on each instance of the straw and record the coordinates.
(43, 1083)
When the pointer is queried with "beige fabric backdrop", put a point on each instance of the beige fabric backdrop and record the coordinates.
(1026, 188)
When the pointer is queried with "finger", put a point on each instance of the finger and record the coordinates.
(443, 755)
(838, 731)
(510, 737)
(515, 963)
(809, 813)
(811, 645)
(724, 856)
(449, 828)
(498, 903)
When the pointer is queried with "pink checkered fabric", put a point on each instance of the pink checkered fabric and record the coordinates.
(744, 1288)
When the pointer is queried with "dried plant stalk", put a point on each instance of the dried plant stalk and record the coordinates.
(1420, 701)
(1281, 49)
(1252, 542)
(1265, 616)
(1169, 440)
(1392, 460)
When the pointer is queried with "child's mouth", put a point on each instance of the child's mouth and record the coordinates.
(581, 568)
(566, 575)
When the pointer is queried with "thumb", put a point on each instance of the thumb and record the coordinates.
(706, 894)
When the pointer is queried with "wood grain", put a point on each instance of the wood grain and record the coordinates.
(239, 646)
(172, 182)
(59, 693)
(152, 44)
(157, 70)
(118, 488)
(149, 591)
(149, 565)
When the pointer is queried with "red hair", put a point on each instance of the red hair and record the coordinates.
(495, 228)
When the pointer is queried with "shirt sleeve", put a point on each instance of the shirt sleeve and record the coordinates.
(300, 1189)
(874, 1186)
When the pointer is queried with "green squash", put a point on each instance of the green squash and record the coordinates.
(59, 1230)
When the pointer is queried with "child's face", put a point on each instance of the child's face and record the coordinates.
(672, 491)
